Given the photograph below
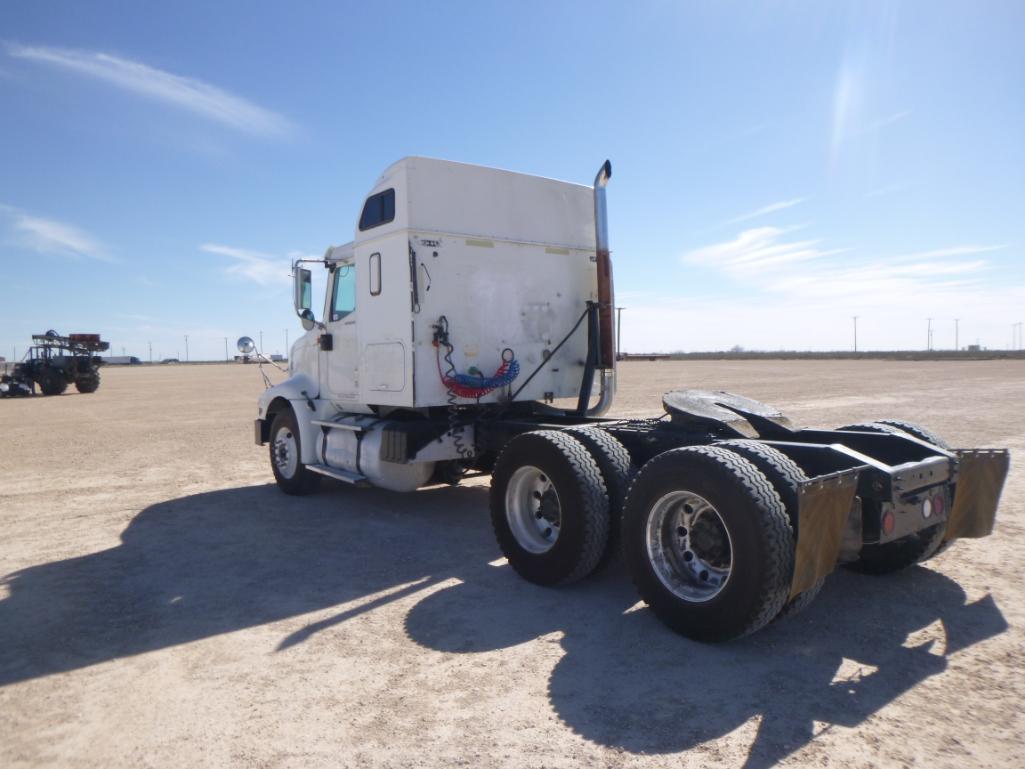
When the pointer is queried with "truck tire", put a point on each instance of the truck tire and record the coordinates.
(292, 476)
(786, 476)
(915, 548)
(549, 507)
(88, 382)
(708, 543)
(922, 433)
(52, 383)
(617, 470)
(871, 427)
(936, 545)
(897, 555)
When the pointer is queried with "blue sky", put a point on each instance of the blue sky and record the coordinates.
(779, 166)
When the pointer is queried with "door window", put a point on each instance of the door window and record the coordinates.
(343, 299)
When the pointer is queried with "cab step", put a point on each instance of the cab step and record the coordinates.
(356, 479)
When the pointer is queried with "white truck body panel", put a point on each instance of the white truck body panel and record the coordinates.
(507, 258)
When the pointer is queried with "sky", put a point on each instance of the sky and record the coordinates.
(779, 167)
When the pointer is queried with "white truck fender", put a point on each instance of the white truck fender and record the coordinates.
(301, 391)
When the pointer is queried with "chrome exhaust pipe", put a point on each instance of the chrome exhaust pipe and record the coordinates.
(606, 300)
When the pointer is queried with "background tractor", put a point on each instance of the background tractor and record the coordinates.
(53, 362)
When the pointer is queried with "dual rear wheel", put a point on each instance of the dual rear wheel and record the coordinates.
(706, 536)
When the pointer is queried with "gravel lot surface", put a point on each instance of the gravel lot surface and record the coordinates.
(162, 604)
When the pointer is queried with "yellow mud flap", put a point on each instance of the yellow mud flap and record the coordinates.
(980, 479)
(824, 505)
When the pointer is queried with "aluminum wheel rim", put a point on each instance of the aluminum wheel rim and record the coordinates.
(689, 546)
(533, 510)
(286, 452)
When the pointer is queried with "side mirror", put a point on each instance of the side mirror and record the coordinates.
(307, 319)
(302, 288)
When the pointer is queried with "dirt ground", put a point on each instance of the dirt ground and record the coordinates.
(163, 604)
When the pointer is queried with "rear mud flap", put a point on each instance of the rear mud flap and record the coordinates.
(824, 505)
(980, 479)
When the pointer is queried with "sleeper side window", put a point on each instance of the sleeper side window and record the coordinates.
(343, 298)
(379, 209)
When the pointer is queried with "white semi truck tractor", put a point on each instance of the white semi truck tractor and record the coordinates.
(468, 329)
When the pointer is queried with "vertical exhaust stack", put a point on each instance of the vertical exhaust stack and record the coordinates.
(607, 339)
(606, 301)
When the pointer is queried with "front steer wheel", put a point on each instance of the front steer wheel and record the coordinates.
(549, 507)
(708, 543)
(292, 476)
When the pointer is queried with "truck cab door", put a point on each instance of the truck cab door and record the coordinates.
(339, 365)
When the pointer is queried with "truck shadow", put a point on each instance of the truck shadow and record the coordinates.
(627, 682)
(212, 563)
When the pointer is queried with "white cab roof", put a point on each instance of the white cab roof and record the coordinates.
(452, 198)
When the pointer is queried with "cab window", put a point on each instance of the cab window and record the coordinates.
(343, 297)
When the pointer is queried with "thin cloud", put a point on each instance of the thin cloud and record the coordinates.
(780, 205)
(943, 253)
(50, 236)
(265, 269)
(796, 269)
(757, 250)
(185, 93)
(889, 120)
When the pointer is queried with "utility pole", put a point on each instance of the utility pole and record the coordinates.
(619, 329)
(261, 342)
(150, 351)
(225, 348)
(956, 345)
(855, 319)
(928, 336)
(186, 348)
(286, 342)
